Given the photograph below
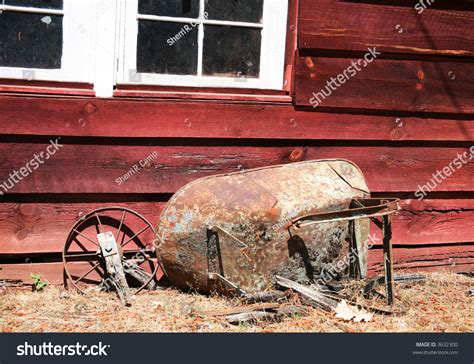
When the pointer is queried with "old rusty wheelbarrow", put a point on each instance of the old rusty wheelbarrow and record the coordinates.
(232, 233)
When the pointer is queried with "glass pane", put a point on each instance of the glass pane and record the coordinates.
(175, 8)
(31, 40)
(235, 10)
(231, 51)
(48, 4)
(165, 47)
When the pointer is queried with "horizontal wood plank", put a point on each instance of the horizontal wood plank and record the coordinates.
(356, 26)
(52, 273)
(43, 227)
(27, 228)
(410, 86)
(431, 222)
(459, 259)
(178, 119)
(98, 168)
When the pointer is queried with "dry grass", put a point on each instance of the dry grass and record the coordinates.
(438, 305)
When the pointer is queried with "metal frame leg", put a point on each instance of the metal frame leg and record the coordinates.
(354, 264)
(387, 254)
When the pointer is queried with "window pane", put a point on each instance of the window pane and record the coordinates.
(30, 40)
(169, 48)
(235, 10)
(231, 51)
(48, 4)
(175, 8)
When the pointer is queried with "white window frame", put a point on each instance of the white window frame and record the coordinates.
(98, 34)
(272, 53)
(76, 62)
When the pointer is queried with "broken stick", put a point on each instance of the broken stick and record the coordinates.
(314, 297)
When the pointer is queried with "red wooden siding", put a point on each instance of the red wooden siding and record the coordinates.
(358, 25)
(27, 228)
(410, 86)
(400, 119)
(94, 168)
(199, 119)
(452, 258)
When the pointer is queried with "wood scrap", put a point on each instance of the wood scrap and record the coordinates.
(12, 283)
(291, 310)
(239, 310)
(315, 297)
(399, 278)
(310, 294)
(141, 275)
(251, 317)
(277, 316)
(413, 277)
(267, 296)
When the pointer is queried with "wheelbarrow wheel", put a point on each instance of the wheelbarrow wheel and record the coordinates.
(83, 257)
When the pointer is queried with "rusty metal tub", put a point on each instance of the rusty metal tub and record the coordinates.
(231, 230)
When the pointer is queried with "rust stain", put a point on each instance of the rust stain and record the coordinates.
(309, 62)
(420, 74)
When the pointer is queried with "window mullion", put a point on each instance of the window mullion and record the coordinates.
(200, 37)
(105, 52)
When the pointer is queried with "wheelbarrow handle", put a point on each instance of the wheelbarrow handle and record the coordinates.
(360, 209)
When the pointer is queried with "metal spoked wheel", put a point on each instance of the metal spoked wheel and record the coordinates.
(111, 234)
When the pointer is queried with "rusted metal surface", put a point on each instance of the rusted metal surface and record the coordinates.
(237, 226)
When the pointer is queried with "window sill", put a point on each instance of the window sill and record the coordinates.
(210, 94)
(49, 88)
(45, 88)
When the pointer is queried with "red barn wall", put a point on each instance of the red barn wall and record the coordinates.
(405, 116)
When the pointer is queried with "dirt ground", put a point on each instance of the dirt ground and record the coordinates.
(438, 305)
